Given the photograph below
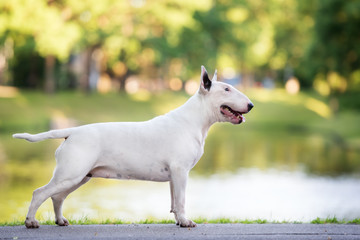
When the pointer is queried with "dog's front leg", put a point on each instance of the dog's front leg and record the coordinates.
(172, 202)
(177, 187)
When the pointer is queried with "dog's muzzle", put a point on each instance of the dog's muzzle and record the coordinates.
(235, 117)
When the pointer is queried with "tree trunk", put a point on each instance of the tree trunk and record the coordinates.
(85, 77)
(49, 74)
(122, 81)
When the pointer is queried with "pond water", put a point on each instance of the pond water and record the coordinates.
(249, 194)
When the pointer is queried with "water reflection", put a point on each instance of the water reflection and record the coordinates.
(326, 154)
(277, 195)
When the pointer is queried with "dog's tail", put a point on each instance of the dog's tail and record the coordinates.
(61, 133)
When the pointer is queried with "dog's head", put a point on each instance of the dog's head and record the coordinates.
(226, 102)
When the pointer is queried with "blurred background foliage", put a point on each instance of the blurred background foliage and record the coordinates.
(99, 45)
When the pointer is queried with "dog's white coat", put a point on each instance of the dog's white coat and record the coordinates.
(165, 148)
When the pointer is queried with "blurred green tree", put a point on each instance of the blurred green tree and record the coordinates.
(316, 40)
(333, 54)
(42, 24)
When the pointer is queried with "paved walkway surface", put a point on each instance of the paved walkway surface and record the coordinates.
(202, 231)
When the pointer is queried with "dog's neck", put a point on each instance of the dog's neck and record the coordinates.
(196, 113)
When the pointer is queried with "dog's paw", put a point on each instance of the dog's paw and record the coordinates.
(62, 222)
(188, 223)
(32, 223)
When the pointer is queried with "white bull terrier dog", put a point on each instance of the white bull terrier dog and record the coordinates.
(162, 149)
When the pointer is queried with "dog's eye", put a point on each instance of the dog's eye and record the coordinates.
(227, 89)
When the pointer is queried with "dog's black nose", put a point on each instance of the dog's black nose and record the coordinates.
(250, 106)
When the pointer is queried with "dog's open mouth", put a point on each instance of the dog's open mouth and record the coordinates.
(235, 117)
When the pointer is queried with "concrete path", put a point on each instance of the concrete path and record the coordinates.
(202, 231)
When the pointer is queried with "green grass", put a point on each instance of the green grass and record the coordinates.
(274, 112)
(228, 220)
(32, 111)
(87, 221)
(334, 220)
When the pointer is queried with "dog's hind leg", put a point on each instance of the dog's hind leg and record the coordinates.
(41, 194)
(58, 201)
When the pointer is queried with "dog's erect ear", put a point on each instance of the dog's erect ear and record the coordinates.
(205, 81)
(214, 79)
